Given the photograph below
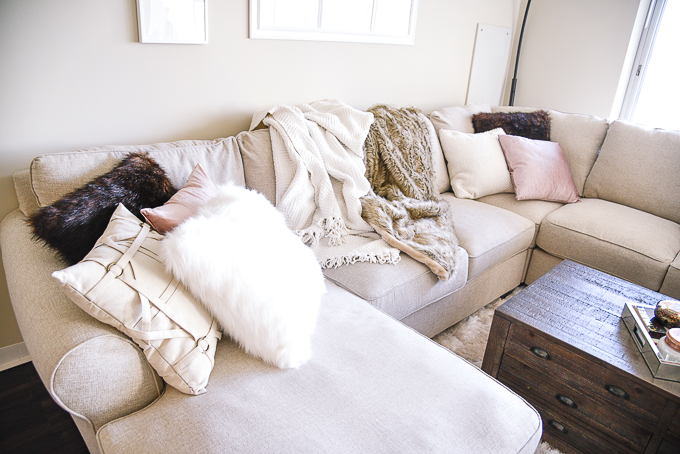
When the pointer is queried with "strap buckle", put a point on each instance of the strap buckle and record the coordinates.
(110, 269)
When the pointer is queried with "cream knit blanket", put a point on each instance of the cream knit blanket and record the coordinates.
(320, 177)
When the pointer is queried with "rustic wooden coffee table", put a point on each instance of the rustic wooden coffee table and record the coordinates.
(561, 344)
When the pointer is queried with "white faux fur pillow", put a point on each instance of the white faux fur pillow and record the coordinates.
(262, 284)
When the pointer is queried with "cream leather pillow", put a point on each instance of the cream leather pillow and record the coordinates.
(476, 163)
(121, 282)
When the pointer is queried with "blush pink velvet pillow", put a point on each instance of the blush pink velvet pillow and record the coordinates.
(185, 203)
(538, 170)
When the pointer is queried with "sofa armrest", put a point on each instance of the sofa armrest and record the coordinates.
(91, 369)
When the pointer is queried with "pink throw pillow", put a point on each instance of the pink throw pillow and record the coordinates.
(185, 203)
(538, 170)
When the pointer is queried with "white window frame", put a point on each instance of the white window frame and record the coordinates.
(259, 31)
(642, 56)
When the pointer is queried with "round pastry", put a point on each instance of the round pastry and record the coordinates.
(668, 313)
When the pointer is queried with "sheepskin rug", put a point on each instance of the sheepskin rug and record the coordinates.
(468, 339)
(257, 278)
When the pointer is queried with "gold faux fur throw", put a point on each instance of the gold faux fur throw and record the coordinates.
(403, 205)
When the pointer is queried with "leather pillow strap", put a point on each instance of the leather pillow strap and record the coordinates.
(114, 273)
(117, 271)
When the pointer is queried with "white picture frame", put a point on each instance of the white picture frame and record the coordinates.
(261, 25)
(172, 21)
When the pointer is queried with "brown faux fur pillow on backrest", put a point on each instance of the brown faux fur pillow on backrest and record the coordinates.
(532, 125)
(74, 223)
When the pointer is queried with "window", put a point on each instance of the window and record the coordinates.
(653, 92)
(368, 21)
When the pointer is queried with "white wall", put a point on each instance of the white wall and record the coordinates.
(73, 75)
(574, 53)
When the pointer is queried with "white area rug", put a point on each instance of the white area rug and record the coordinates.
(468, 338)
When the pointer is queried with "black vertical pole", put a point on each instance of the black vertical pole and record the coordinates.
(519, 47)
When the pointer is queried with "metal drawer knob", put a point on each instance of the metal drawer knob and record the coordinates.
(538, 351)
(567, 401)
(558, 426)
(616, 391)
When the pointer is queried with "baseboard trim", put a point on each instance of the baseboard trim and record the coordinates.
(13, 355)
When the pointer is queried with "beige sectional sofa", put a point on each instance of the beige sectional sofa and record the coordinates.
(373, 384)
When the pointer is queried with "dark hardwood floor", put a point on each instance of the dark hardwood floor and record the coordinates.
(30, 421)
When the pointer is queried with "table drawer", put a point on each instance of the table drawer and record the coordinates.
(671, 442)
(669, 445)
(674, 429)
(570, 431)
(604, 385)
(610, 421)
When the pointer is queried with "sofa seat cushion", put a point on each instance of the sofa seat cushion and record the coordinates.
(671, 283)
(372, 385)
(534, 210)
(619, 240)
(489, 234)
(400, 289)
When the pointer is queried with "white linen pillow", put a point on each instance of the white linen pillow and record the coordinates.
(476, 163)
(122, 283)
(264, 286)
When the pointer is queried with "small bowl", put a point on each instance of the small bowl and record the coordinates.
(668, 313)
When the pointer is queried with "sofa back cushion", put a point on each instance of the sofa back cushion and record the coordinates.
(441, 174)
(258, 162)
(580, 137)
(28, 204)
(54, 175)
(639, 167)
(457, 118)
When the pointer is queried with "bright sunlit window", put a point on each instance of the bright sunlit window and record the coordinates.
(371, 21)
(654, 90)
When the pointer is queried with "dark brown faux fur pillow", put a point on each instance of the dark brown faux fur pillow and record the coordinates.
(74, 223)
(532, 125)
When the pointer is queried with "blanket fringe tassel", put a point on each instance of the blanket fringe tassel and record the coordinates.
(387, 258)
(332, 228)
